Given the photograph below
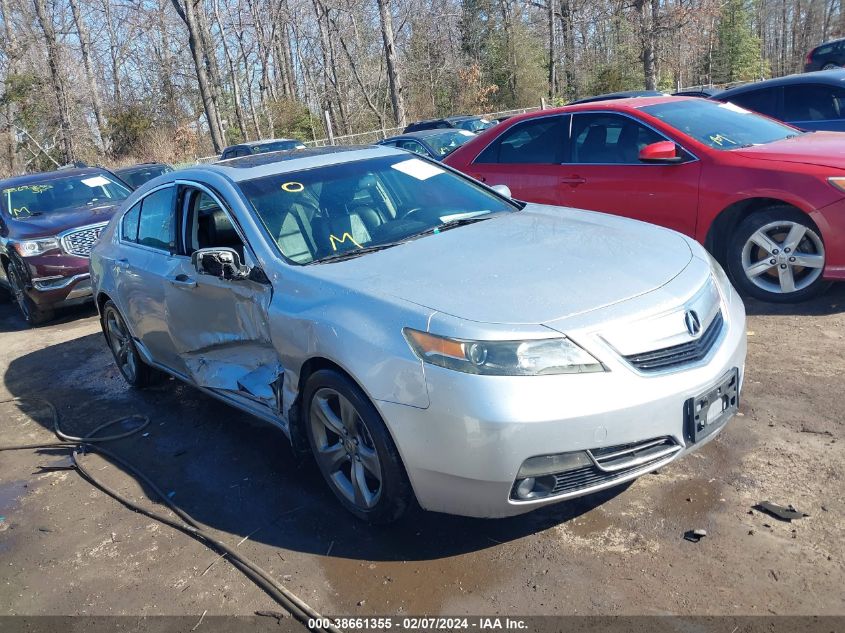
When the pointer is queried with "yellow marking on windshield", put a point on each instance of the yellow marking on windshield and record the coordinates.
(720, 139)
(293, 187)
(340, 240)
(18, 212)
(32, 188)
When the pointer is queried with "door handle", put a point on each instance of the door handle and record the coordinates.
(480, 178)
(182, 281)
(574, 181)
(122, 262)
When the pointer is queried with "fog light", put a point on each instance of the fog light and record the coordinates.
(525, 488)
(548, 464)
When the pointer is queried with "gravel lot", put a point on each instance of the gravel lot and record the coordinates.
(66, 548)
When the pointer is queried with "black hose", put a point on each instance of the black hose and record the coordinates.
(79, 446)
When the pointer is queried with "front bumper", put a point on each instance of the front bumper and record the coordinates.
(831, 223)
(58, 280)
(463, 452)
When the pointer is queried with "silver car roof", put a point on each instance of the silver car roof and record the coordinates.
(272, 163)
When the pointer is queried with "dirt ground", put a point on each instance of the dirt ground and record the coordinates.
(66, 548)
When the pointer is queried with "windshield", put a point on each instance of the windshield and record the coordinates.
(475, 125)
(326, 211)
(445, 143)
(62, 194)
(720, 125)
(278, 146)
(138, 176)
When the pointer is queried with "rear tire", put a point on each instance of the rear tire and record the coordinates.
(830, 66)
(129, 362)
(353, 448)
(30, 311)
(777, 255)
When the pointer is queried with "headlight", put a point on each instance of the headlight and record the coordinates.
(503, 358)
(28, 248)
(721, 277)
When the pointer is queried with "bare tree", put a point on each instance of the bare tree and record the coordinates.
(85, 46)
(393, 76)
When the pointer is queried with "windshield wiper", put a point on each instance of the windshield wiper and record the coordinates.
(451, 224)
(354, 253)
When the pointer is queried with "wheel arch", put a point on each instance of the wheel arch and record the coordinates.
(718, 235)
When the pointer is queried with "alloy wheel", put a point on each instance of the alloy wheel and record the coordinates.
(121, 346)
(18, 293)
(345, 449)
(783, 257)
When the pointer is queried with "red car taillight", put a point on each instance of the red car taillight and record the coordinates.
(810, 56)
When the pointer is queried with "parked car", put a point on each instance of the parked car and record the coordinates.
(434, 144)
(48, 224)
(463, 122)
(811, 101)
(765, 198)
(619, 95)
(260, 147)
(704, 92)
(826, 56)
(137, 175)
(422, 335)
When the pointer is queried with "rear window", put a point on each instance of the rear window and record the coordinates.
(542, 140)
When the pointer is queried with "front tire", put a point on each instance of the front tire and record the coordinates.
(777, 255)
(353, 448)
(129, 362)
(30, 311)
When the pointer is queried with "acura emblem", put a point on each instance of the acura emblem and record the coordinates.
(693, 323)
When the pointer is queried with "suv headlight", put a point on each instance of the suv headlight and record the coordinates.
(721, 277)
(534, 357)
(28, 248)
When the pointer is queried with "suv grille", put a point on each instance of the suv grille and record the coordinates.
(81, 241)
(678, 355)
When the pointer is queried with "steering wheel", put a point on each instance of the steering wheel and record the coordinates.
(410, 212)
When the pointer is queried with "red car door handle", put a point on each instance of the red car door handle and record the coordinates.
(573, 180)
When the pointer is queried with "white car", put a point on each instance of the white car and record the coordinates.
(423, 335)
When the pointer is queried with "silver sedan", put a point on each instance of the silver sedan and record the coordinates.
(425, 337)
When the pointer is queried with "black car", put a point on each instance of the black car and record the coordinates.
(620, 95)
(700, 91)
(811, 101)
(436, 144)
(471, 123)
(137, 175)
(826, 56)
(261, 147)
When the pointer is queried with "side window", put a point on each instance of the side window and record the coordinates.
(412, 146)
(208, 224)
(609, 139)
(129, 228)
(156, 227)
(813, 103)
(538, 141)
(762, 101)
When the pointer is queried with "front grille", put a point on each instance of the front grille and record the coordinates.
(678, 355)
(81, 241)
(613, 463)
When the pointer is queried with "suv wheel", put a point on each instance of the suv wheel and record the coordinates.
(133, 369)
(777, 255)
(353, 448)
(830, 66)
(31, 313)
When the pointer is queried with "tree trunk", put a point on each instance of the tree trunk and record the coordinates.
(12, 54)
(647, 10)
(394, 79)
(85, 46)
(233, 74)
(552, 49)
(208, 49)
(195, 44)
(45, 20)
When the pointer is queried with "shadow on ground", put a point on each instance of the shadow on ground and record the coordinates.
(832, 301)
(236, 474)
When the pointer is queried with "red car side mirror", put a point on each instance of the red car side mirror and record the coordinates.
(660, 152)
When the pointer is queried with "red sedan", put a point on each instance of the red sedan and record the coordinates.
(767, 199)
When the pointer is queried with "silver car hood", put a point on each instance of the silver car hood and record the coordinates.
(534, 266)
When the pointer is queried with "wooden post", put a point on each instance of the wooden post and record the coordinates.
(329, 131)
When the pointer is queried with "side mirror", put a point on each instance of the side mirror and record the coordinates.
(224, 263)
(502, 190)
(660, 152)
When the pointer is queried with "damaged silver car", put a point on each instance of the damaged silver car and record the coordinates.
(425, 337)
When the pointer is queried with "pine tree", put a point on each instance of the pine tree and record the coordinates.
(738, 55)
